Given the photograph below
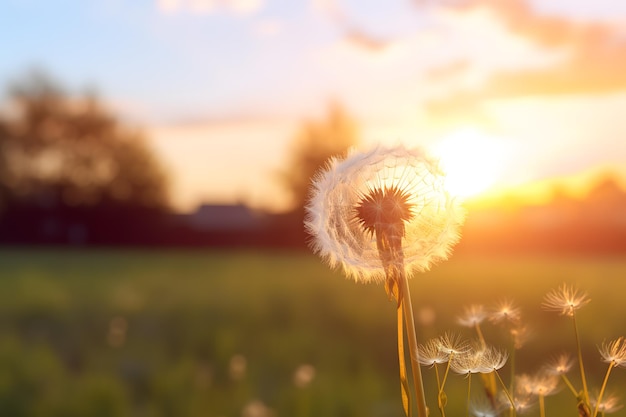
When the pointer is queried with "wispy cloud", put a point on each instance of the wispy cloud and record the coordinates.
(208, 6)
(594, 55)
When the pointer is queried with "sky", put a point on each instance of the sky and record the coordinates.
(505, 91)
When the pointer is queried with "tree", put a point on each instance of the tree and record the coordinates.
(57, 150)
(313, 145)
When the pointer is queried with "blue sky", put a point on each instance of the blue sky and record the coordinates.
(221, 86)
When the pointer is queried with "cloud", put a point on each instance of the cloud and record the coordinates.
(199, 7)
(594, 58)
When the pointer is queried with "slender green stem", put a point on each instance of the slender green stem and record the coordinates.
(512, 381)
(412, 339)
(599, 400)
(480, 335)
(469, 388)
(440, 393)
(580, 361)
(542, 405)
(445, 375)
(569, 385)
(506, 392)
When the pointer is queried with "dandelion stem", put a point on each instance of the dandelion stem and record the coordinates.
(599, 400)
(580, 362)
(480, 335)
(542, 405)
(412, 338)
(440, 393)
(445, 375)
(469, 388)
(506, 392)
(569, 385)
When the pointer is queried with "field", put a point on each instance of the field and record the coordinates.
(253, 334)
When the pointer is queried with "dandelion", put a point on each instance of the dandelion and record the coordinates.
(382, 215)
(566, 299)
(473, 315)
(540, 385)
(608, 405)
(614, 353)
(560, 366)
(505, 311)
(430, 353)
(394, 191)
(453, 344)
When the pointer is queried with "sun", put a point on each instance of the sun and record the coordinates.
(473, 161)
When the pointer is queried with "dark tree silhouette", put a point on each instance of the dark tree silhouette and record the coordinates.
(313, 145)
(58, 150)
(70, 172)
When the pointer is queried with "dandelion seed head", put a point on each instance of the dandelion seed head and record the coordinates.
(478, 359)
(493, 359)
(505, 311)
(609, 404)
(430, 354)
(560, 365)
(614, 352)
(540, 384)
(397, 189)
(473, 315)
(565, 299)
(452, 344)
(520, 334)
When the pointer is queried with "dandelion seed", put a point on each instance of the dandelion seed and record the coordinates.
(560, 365)
(541, 384)
(566, 299)
(505, 311)
(614, 352)
(470, 362)
(473, 315)
(483, 408)
(430, 353)
(520, 335)
(452, 344)
(608, 405)
(493, 359)
(396, 189)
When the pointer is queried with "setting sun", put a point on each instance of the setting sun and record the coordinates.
(472, 161)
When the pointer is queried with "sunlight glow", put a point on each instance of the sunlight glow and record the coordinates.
(472, 160)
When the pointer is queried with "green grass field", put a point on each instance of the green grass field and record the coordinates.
(217, 333)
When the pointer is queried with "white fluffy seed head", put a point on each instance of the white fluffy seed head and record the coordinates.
(331, 215)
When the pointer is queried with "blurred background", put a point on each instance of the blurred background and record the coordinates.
(155, 158)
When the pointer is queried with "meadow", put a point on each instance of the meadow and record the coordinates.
(259, 333)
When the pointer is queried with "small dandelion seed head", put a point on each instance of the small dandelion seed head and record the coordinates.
(397, 190)
(484, 408)
(452, 344)
(559, 365)
(565, 299)
(540, 384)
(614, 352)
(609, 403)
(430, 354)
(478, 359)
(505, 311)
(473, 315)
(520, 335)
(493, 359)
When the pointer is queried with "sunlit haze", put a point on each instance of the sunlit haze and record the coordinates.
(506, 93)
